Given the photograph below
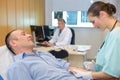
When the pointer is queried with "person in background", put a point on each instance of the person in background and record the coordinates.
(32, 64)
(101, 15)
(62, 35)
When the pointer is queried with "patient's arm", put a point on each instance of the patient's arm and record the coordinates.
(72, 68)
(17, 72)
(63, 63)
(95, 75)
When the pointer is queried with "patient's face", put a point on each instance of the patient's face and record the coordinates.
(22, 39)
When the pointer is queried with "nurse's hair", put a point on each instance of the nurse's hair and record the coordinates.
(98, 6)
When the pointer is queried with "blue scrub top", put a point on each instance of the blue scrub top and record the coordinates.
(108, 58)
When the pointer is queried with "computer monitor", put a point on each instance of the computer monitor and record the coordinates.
(37, 32)
(46, 32)
(40, 33)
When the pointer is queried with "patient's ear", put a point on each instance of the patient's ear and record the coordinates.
(12, 42)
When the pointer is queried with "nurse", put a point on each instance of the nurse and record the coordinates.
(101, 15)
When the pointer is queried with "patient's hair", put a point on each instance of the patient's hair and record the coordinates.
(7, 40)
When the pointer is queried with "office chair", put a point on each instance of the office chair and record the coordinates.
(73, 36)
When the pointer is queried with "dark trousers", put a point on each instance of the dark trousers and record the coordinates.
(59, 54)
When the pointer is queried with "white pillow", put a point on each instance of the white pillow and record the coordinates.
(6, 57)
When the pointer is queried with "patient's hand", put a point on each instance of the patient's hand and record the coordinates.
(79, 72)
(71, 68)
(76, 68)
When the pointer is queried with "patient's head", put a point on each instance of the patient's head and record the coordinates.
(7, 39)
(18, 41)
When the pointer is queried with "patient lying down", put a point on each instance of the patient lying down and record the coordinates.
(32, 64)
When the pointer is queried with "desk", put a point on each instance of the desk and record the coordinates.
(75, 58)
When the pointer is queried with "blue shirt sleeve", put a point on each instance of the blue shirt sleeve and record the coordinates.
(18, 72)
(64, 63)
(1, 78)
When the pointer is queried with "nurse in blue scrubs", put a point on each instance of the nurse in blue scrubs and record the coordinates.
(101, 15)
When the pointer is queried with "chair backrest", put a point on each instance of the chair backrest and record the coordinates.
(73, 36)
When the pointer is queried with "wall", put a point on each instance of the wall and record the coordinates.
(89, 36)
(117, 5)
(20, 14)
(63, 5)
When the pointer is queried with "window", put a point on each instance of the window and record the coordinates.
(58, 14)
(84, 17)
(72, 18)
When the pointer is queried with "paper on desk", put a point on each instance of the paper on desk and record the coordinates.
(82, 48)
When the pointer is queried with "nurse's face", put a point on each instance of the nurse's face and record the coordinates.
(97, 21)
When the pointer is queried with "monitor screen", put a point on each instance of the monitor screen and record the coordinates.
(37, 33)
(41, 33)
(46, 31)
